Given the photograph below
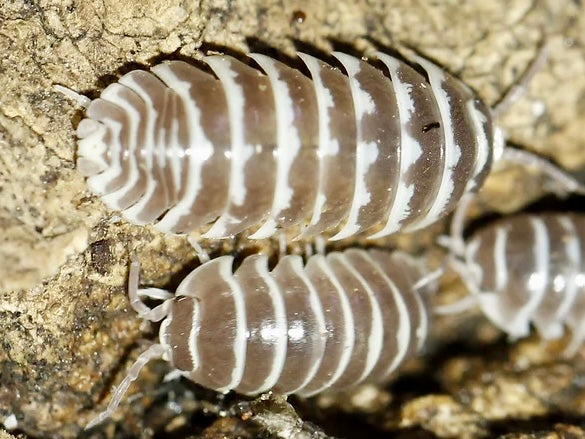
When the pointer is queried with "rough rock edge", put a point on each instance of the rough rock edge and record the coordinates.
(71, 328)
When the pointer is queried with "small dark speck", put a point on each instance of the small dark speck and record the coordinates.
(431, 126)
(49, 177)
(299, 16)
(100, 255)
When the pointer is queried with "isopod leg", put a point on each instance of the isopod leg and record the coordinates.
(429, 279)
(316, 247)
(155, 293)
(81, 100)
(577, 337)
(468, 301)
(173, 375)
(308, 250)
(320, 244)
(519, 88)
(567, 183)
(135, 294)
(455, 243)
(282, 245)
(155, 351)
(201, 254)
(457, 307)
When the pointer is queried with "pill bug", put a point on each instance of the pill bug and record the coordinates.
(367, 148)
(339, 320)
(527, 269)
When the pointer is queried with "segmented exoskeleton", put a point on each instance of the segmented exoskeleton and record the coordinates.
(365, 148)
(337, 321)
(528, 268)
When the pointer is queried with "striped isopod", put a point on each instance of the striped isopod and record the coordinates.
(366, 148)
(337, 321)
(528, 269)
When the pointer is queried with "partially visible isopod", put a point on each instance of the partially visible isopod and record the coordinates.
(337, 321)
(364, 149)
(528, 269)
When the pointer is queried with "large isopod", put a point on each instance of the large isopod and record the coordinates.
(329, 324)
(365, 148)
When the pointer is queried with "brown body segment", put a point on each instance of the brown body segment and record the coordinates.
(133, 191)
(465, 138)
(303, 176)
(516, 291)
(424, 127)
(404, 277)
(337, 168)
(560, 277)
(215, 338)
(166, 153)
(483, 258)
(259, 138)
(391, 316)
(306, 341)
(179, 333)
(363, 319)
(155, 95)
(577, 310)
(262, 333)
(382, 129)
(417, 299)
(107, 113)
(336, 321)
(207, 96)
(487, 127)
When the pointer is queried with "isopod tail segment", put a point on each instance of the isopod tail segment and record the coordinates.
(328, 324)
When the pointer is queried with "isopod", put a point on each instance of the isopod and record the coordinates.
(362, 149)
(381, 149)
(339, 320)
(528, 268)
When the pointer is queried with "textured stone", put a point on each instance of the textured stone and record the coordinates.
(68, 334)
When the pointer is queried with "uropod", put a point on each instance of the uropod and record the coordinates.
(329, 324)
(372, 148)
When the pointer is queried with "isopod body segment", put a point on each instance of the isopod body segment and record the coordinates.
(365, 148)
(530, 269)
(332, 323)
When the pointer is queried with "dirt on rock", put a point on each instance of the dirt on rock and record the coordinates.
(68, 332)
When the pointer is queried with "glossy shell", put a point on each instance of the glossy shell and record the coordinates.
(531, 269)
(331, 324)
(364, 148)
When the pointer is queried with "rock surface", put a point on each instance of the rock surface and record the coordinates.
(68, 334)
